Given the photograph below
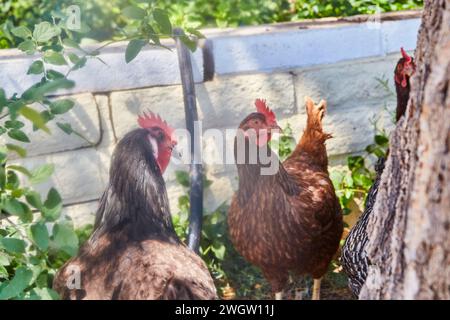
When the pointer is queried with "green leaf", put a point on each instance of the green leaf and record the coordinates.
(55, 58)
(34, 199)
(20, 169)
(348, 180)
(13, 245)
(381, 140)
(219, 251)
(362, 180)
(65, 238)
(196, 33)
(2, 177)
(3, 273)
(182, 178)
(36, 93)
(73, 57)
(162, 19)
(3, 100)
(35, 117)
(71, 43)
(53, 75)
(41, 173)
(36, 67)
(133, 49)
(379, 153)
(151, 33)
(44, 31)
(61, 106)
(370, 148)
(46, 294)
(66, 127)
(52, 205)
(4, 259)
(12, 180)
(21, 32)
(18, 135)
(355, 162)
(19, 150)
(13, 206)
(19, 283)
(80, 63)
(188, 42)
(40, 235)
(27, 46)
(14, 124)
(134, 12)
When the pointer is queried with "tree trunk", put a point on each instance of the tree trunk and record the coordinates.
(409, 230)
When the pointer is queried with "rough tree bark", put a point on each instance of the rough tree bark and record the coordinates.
(409, 230)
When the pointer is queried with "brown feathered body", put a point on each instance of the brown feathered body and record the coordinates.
(290, 221)
(134, 252)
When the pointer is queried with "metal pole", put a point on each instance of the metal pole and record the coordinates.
(196, 168)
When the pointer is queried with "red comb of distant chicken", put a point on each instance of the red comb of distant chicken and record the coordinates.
(405, 55)
(149, 119)
(261, 107)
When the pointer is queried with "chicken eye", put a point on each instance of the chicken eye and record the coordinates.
(255, 121)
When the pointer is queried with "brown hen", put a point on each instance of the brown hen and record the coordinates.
(290, 220)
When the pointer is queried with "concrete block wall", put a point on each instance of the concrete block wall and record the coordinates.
(335, 60)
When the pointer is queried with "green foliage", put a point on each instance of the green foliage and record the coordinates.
(285, 143)
(355, 179)
(212, 247)
(108, 18)
(35, 239)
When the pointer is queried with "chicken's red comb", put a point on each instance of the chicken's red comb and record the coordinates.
(149, 119)
(405, 55)
(261, 107)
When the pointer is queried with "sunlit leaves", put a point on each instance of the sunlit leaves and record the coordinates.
(41, 173)
(17, 149)
(27, 46)
(35, 117)
(44, 31)
(21, 32)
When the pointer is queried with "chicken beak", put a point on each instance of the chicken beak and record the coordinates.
(276, 127)
(176, 153)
